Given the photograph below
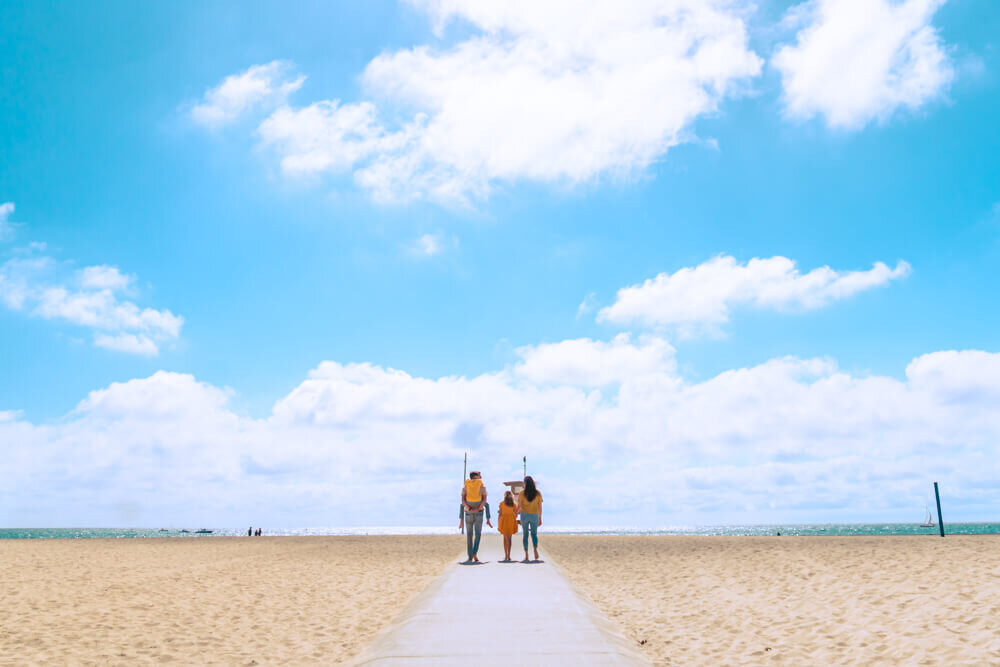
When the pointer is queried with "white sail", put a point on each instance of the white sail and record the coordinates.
(929, 520)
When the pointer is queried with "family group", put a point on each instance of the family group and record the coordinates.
(527, 507)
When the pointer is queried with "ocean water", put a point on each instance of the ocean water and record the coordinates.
(742, 530)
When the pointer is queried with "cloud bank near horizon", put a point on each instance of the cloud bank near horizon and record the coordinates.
(789, 437)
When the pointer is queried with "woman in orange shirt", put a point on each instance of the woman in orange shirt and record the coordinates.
(507, 523)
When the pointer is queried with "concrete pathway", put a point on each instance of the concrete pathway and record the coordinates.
(500, 614)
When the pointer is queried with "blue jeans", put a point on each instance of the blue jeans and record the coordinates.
(529, 522)
(473, 524)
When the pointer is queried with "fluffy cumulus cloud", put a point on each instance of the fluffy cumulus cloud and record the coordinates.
(855, 61)
(93, 298)
(546, 93)
(700, 298)
(535, 91)
(259, 87)
(359, 444)
(593, 363)
(105, 277)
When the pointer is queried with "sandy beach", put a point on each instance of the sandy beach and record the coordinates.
(796, 600)
(233, 601)
(681, 600)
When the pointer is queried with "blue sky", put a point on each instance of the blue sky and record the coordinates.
(451, 191)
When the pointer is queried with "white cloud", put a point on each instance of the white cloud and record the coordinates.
(701, 298)
(431, 245)
(131, 343)
(6, 210)
(359, 443)
(957, 376)
(19, 276)
(101, 310)
(855, 61)
(104, 277)
(259, 87)
(593, 363)
(586, 306)
(325, 136)
(33, 283)
(537, 92)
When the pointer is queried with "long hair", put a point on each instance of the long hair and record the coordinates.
(530, 491)
(508, 498)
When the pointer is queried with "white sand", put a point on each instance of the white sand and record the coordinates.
(682, 600)
(234, 601)
(795, 600)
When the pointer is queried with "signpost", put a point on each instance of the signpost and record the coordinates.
(465, 474)
(937, 497)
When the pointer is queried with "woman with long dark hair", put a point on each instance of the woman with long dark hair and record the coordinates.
(529, 505)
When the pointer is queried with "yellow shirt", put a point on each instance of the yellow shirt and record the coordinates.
(530, 506)
(473, 490)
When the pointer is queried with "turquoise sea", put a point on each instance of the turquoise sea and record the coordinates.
(790, 529)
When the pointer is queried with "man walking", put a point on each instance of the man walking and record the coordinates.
(473, 503)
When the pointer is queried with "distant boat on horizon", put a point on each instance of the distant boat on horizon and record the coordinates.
(203, 531)
(928, 520)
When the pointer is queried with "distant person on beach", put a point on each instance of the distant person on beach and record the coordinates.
(529, 506)
(250, 531)
(507, 522)
(257, 534)
(473, 501)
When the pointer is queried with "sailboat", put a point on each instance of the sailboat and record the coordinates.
(929, 521)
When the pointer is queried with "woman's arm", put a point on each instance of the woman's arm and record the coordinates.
(540, 501)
